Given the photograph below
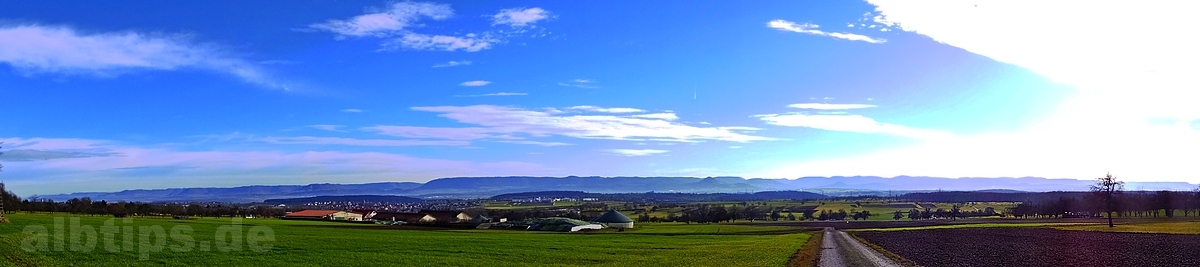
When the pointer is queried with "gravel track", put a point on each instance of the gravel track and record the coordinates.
(839, 249)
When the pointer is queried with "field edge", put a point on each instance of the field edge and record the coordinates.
(809, 254)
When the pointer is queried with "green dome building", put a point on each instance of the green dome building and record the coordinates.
(614, 219)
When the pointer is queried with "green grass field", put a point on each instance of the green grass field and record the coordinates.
(306, 243)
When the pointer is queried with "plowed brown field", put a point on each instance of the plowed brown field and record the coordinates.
(1038, 247)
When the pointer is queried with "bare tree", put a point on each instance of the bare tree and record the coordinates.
(1196, 198)
(1106, 189)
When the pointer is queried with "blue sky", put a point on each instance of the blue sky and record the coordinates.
(101, 97)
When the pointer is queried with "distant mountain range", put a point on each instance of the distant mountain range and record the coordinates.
(484, 187)
(685, 197)
(242, 194)
(343, 198)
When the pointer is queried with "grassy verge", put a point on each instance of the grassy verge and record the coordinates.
(810, 253)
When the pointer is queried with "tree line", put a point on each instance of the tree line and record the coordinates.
(717, 213)
(1124, 204)
(85, 206)
(954, 213)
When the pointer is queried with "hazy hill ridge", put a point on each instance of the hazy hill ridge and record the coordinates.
(483, 187)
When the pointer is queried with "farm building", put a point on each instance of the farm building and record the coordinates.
(559, 224)
(446, 216)
(406, 217)
(481, 219)
(366, 214)
(332, 215)
(614, 219)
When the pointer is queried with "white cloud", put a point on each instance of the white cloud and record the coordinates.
(1130, 62)
(536, 143)
(606, 110)
(393, 20)
(352, 110)
(1053, 154)
(504, 122)
(850, 123)
(494, 94)
(823, 106)
(453, 64)
(45, 49)
(1140, 62)
(467, 133)
(637, 152)
(517, 17)
(661, 116)
(327, 127)
(470, 42)
(809, 28)
(475, 83)
(311, 140)
(396, 25)
(115, 167)
(580, 83)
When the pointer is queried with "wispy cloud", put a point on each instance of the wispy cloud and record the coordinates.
(395, 24)
(352, 110)
(475, 83)
(14, 155)
(466, 133)
(850, 123)
(606, 110)
(327, 127)
(470, 42)
(809, 28)
(333, 141)
(507, 121)
(54, 144)
(312, 140)
(661, 116)
(453, 64)
(390, 21)
(580, 83)
(109, 166)
(824, 106)
(636, 152)
(536, 143)
(47, 49)
(520, 17)
(494, 94)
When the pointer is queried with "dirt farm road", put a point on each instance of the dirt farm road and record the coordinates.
(839, 249)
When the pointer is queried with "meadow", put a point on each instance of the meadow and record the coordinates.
(309, 243)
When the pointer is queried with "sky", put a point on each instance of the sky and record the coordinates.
(151, 94)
